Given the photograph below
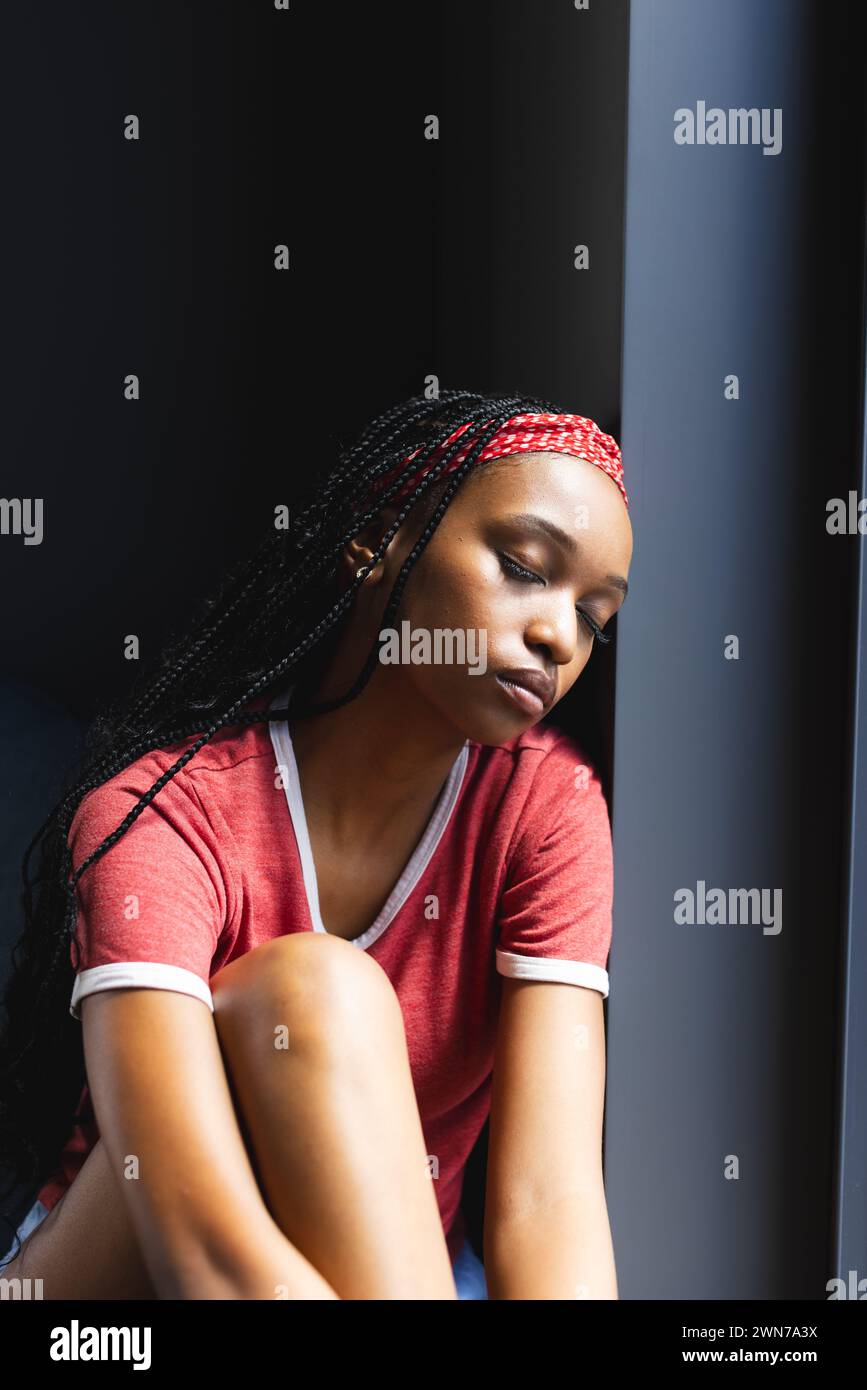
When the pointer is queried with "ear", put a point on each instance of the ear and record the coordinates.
(360, 550)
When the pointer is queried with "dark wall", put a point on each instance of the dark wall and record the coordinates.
(156, 257)
(407, 257)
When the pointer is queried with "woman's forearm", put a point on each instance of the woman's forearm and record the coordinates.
(563, 1251)
(269, 1268)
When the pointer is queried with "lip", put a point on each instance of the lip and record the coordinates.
(530, 688)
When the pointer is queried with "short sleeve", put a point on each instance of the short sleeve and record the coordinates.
(152, 908)
(555, 912)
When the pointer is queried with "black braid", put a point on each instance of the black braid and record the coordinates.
(263, 620)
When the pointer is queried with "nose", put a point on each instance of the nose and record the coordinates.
(555, 629)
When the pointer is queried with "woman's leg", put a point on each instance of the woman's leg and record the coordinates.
(342, 1150)
(86, 1247)
(313, 1040)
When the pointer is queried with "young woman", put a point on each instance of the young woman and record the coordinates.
(309, 915)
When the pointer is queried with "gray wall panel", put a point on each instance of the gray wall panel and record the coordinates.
(721, 1037)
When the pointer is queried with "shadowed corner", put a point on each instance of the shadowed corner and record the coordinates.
(39, 742)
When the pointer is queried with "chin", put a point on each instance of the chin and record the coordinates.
(487, 717)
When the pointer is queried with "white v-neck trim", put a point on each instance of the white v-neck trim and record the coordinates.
(418, 861)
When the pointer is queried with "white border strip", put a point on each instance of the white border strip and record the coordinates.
(566, 972)
(138, 974)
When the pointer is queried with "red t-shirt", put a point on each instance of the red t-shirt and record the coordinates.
(512, 876)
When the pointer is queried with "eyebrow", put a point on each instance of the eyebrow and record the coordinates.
(530, 521)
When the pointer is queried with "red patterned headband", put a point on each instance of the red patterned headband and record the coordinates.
(559, 434)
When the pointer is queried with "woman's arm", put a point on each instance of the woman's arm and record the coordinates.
(546, 1221)
(165, 1114)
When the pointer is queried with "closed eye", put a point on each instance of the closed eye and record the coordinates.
(519, 572)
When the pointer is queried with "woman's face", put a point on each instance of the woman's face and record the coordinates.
(493, 571)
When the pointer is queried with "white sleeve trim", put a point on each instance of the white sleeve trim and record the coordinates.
(138, 974)
(566, 972)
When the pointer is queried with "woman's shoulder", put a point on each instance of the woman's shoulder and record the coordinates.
(543, 743)
(536, 773)
(235, 751)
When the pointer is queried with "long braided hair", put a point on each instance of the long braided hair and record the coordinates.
(264, 620)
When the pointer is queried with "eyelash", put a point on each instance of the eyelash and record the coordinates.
(518, 571)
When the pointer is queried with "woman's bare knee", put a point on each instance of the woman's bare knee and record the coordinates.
(316, 984)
